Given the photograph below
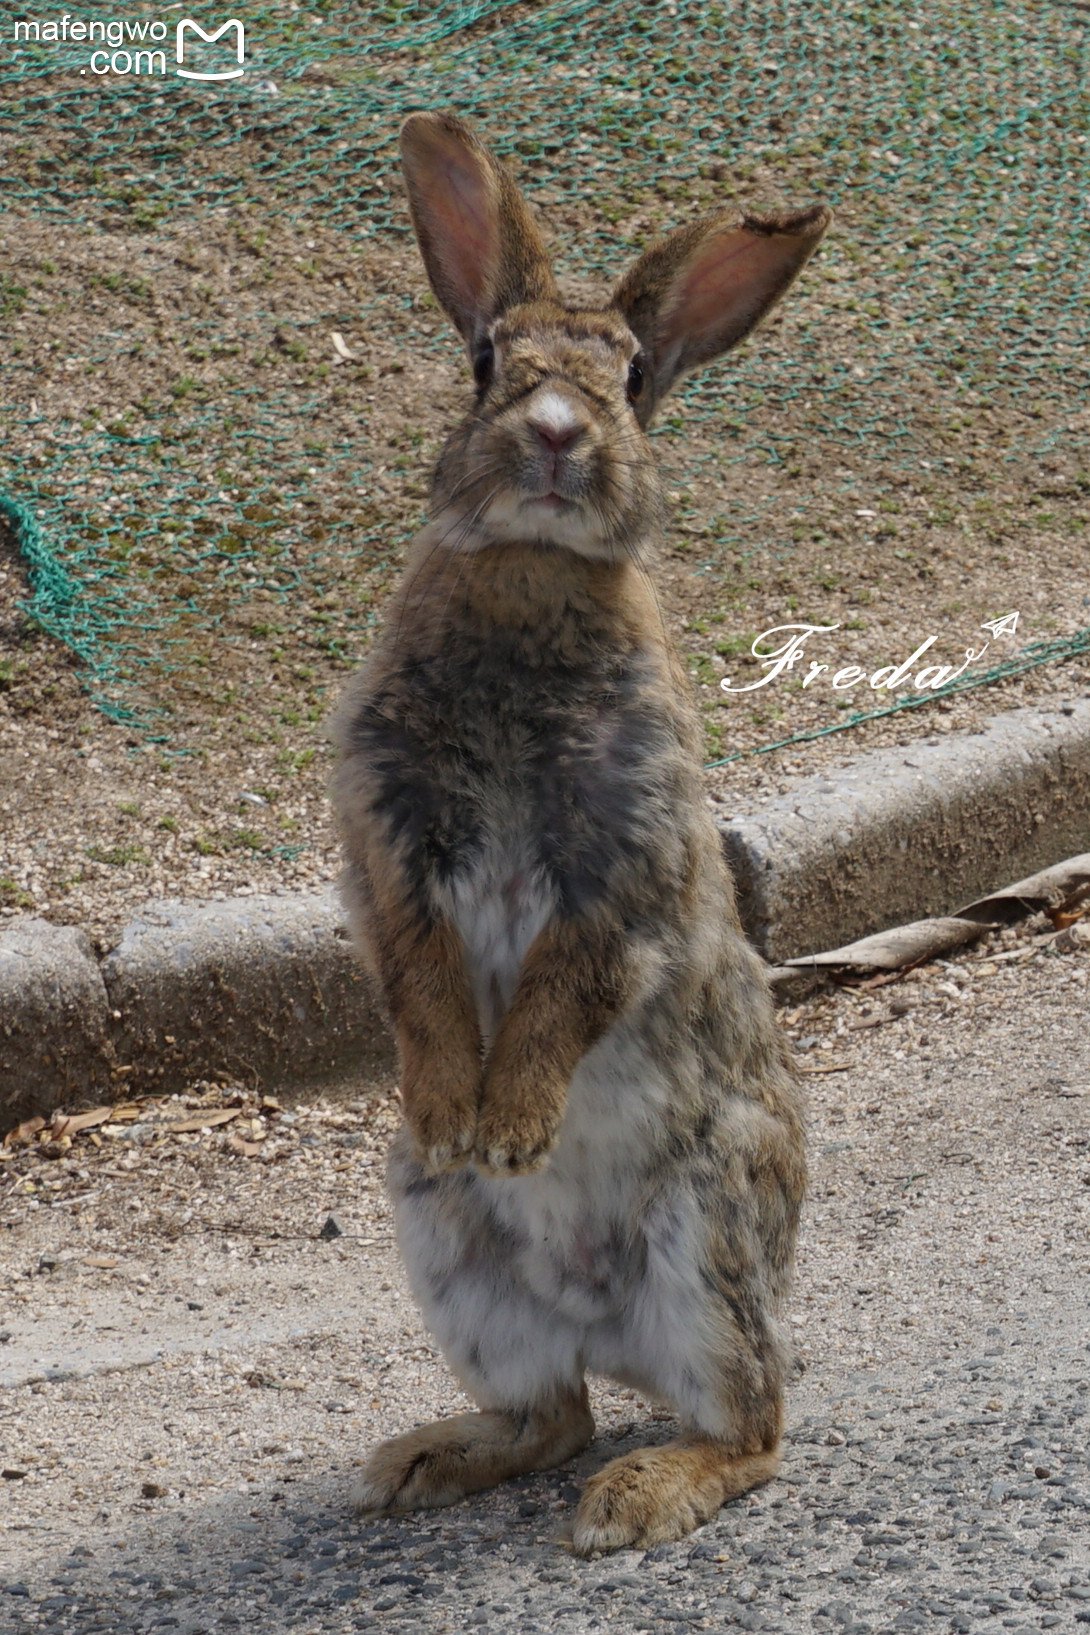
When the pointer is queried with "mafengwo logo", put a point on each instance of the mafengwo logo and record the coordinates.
(196, 30)
(133, 49)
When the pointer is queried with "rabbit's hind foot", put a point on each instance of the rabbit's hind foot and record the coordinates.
(440, 1463)
(656, 1495)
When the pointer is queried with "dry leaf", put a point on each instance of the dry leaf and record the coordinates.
(72, 1123)
(925, 939)
(882, 980)
(26, 1131)
(1075, 907)
(204, 1121)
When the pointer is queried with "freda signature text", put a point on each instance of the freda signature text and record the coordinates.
(791, 652)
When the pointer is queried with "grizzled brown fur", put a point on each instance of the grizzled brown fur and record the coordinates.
(602, 1163)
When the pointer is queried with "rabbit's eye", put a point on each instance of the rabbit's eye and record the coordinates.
(635, 382)
(483, 360)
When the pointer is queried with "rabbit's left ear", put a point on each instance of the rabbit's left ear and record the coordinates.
(700, 291)
(478, 239)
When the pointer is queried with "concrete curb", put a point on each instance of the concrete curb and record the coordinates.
(914, 831)
(268, 990)
(54, 1019)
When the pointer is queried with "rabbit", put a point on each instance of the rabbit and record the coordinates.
(602, 1159)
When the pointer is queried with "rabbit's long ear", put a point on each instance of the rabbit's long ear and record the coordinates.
(479, 243)
(700, 291)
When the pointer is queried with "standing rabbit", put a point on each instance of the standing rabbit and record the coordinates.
(602, 1160)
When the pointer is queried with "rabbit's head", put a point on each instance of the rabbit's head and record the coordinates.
(554, 451)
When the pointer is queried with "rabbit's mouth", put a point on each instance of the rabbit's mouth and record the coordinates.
(553, 503)
(514, 516)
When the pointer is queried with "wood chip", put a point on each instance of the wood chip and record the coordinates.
(204, 1121)
(248, 1149)
(269, 1382)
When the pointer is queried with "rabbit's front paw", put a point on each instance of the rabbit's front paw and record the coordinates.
(514, 1140)
(444, 1133)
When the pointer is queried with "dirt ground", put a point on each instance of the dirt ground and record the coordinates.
(190, 1370)
(252, 575)
(225, 410)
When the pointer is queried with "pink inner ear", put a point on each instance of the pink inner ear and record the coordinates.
(721, 272)
(456, 198)
(467, 212)
(727, 285)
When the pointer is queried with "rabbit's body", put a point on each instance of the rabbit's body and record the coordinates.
(602, 1164)
(575, 780)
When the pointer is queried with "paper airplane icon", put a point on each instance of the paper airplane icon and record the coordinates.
(1002, 627)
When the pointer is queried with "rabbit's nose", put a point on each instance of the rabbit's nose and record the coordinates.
(555, 439)
(554, 422)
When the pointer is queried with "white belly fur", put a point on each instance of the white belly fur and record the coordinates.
(499, 907)
(610, 1265)
(581, 1217)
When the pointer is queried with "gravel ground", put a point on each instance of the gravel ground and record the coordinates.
(190, 1373)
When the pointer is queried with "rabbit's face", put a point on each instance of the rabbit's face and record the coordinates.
(553, 453)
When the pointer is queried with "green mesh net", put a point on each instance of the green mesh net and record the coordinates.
(952, 139)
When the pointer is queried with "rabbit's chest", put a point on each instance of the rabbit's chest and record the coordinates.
(499, 901)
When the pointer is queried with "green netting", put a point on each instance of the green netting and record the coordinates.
(952, 139)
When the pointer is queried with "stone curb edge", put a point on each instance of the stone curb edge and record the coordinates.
(262, 990)
(267, 990)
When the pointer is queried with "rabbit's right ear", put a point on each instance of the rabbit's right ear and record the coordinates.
(700, 291)
(480, 246)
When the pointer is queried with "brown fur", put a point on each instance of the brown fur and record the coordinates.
(439, 1463)
(603, 1161)
(657, 1495)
